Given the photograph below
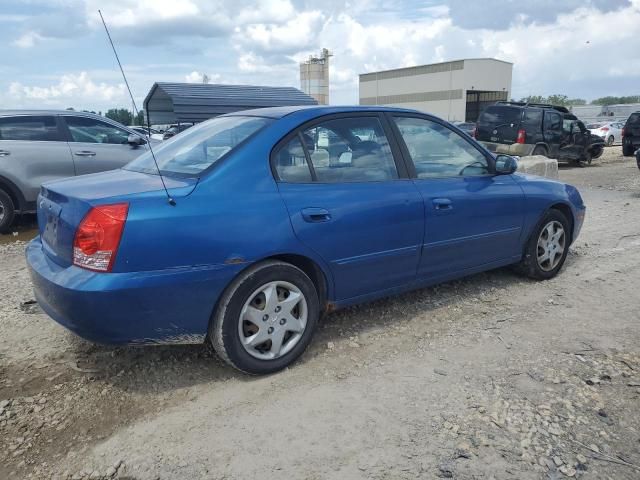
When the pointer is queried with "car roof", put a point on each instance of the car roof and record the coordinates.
(48, 112)
(312, 110)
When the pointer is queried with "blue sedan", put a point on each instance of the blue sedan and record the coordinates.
(278, 215)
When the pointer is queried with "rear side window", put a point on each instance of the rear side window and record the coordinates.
(291, 163)
(496, 115)
(552, 121)
(634, 119)
(532, 118)
(90, 130)
(350, 150)
(30, 128)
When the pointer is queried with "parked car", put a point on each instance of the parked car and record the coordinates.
(280, 214)
(631, 135)
(610, 132)
(39, 146)
(174, 130)
(148, 132)
(518, 128)
(467, 127)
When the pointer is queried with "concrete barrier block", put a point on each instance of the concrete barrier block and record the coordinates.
(538, 165)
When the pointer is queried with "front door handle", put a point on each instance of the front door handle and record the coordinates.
(4, 153)
(315, 215)
(85, 153)
(442, 204)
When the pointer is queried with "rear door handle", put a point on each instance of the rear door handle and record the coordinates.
(85, 153)
(315, 215)
(4, 153)
(442, 204)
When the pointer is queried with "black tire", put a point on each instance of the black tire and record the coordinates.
(627, 150)
(7, 212)
(540, 150)
(610, 141)
(223, 329)
(529, 264)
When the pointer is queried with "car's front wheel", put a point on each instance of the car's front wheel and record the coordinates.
(547, 248)
(610, 141)
(7, 211)
(266, 318)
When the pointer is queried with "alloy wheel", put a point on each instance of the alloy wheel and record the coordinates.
(551, 245)
(273, 320)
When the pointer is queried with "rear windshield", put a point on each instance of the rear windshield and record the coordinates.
(199, 147)
(634, 119)
(498, 115)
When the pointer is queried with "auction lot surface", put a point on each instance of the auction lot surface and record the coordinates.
(493, 376)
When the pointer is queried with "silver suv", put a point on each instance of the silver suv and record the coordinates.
(39, 146)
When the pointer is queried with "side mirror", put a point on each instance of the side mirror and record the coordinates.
(506, 165)
(135, 140)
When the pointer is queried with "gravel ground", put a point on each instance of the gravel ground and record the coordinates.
(493, 376)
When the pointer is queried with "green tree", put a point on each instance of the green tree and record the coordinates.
(140, 120)
(121, 115)
(534, 99)
(610, 100)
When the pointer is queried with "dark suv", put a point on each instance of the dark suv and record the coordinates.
(518, 128)
(631, 135)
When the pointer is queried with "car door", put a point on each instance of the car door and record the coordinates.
(473, 218)
(350, 201)
(97, 145)
(33, 151)
(553, 132)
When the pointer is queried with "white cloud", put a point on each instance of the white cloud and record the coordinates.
(77, 90)
(27, 40)
(198, 77)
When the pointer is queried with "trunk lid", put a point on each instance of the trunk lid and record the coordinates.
(63, 204)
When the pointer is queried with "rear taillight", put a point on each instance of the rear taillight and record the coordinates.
(98, 236)
(605, 129)
(623, 131)
(474, 133)
(522, 136)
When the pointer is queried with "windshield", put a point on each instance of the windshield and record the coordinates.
(500, 115)
(199, 147)
(634, 119)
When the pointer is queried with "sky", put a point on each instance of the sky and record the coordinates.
(56, 53)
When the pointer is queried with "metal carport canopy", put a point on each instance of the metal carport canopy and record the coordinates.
(195, 102)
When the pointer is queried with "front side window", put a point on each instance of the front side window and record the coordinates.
(91, 130)
(32, 128)
(199, 147)
(437, 151)
(350, 150)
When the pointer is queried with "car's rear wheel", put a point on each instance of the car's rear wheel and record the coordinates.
(610, 140)
(266, 318)
(540, 150)
(7, 211)
(627, 150)
(547, 249)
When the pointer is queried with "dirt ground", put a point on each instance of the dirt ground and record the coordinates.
(490, 377)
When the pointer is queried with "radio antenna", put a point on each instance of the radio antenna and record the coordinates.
(172, 202)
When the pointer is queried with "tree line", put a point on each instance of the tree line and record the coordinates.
(565, 101)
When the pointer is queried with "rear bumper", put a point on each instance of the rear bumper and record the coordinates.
(155, 307)
(517, 149)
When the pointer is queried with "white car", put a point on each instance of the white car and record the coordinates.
(609, 131)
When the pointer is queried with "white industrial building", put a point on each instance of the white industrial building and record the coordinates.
(314, 77)
(455, 91)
